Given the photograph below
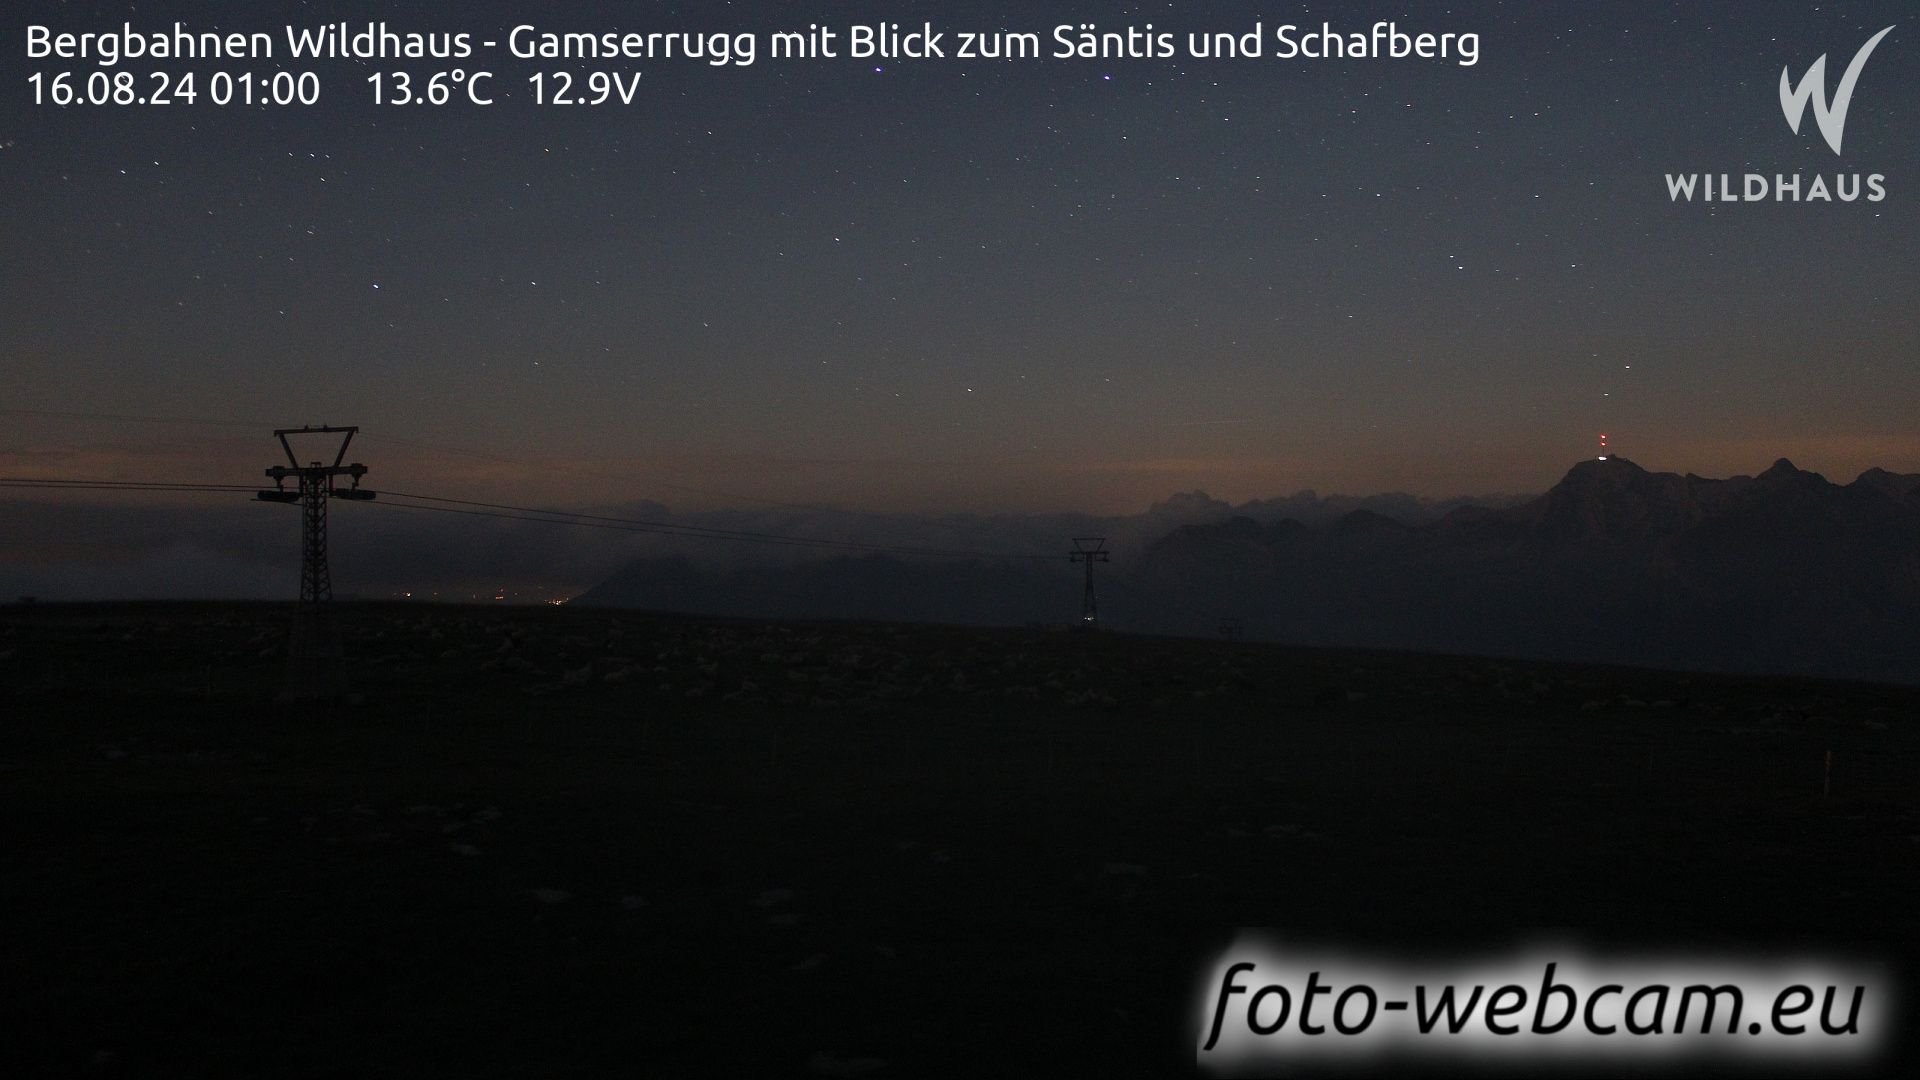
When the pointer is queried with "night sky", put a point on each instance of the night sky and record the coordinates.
(950, 285)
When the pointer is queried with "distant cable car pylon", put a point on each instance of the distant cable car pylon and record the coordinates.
(1089, 550)
(313, 649)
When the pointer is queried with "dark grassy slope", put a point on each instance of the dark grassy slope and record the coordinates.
(776, 849)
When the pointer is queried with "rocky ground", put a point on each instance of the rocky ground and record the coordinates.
(568, 842)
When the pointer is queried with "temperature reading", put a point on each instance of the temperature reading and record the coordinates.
(401, 88)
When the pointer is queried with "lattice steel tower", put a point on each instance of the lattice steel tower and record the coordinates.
(314, 646)
(1089, 550)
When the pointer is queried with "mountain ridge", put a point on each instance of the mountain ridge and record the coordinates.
(1781, 572)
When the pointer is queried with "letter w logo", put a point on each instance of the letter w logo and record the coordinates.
(1832, 118)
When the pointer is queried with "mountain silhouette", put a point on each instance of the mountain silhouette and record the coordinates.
(1785, 572)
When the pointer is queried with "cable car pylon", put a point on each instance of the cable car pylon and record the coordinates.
(313, 646)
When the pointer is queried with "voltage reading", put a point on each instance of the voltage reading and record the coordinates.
(595, 88)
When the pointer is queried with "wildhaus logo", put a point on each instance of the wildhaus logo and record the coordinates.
(1829, 114)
